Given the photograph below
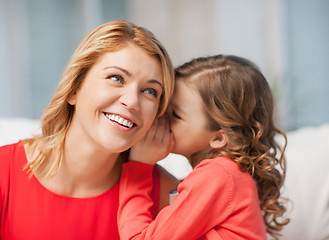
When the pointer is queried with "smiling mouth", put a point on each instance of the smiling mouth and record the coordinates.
(120, 120)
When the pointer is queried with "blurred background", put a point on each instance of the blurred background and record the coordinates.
(287, 39)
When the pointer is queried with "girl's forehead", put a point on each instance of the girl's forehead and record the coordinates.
(186, 96)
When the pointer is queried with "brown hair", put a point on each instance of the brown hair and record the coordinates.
(55, 122)
(237, 99)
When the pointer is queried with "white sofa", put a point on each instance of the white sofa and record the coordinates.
(307, 182)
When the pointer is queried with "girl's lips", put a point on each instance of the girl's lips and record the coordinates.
(121, 120)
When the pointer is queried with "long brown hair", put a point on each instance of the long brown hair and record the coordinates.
(237, 99)
(56, 120)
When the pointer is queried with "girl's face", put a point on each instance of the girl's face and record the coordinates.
(118, 100)
(188, 121)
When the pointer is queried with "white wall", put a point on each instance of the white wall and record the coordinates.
(287, 39)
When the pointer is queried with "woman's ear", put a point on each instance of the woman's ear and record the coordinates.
(72, 99)
(219, 139)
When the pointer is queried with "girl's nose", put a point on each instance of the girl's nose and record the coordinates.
(130, 98)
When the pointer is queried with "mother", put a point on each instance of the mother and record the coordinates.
(117, 82)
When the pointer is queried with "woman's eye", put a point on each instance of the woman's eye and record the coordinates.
(116, 78)
(151, 91)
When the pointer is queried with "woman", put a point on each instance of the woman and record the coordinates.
(117, 82)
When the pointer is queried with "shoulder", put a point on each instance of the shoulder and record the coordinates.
(11, 156)
(9, 147)
(221, 167)
(7, 152)
(210, 175)
(239, 177)
(224, 165)
(168, 183)
(7, 156)
(219, 173)
(241, 184)
(222, 176)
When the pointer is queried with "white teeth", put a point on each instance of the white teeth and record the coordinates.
(119, 120)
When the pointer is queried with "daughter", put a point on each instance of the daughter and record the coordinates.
(222, 122)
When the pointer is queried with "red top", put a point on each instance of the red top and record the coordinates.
(29, 211)
(215, 201)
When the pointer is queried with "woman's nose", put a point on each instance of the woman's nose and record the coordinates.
(130, 98)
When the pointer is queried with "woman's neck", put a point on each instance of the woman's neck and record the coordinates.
(86, 171)
(89, 172)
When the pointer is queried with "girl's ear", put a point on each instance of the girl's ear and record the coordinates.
(219, 139)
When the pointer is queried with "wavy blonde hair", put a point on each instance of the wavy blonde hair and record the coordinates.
(56, 120)
(237, 99)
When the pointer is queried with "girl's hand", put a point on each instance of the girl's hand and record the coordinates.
(156, 144)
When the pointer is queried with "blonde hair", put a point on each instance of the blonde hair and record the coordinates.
(237, 99)
(56, 120)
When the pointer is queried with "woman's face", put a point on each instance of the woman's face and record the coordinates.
(118, 100)
(188, 121)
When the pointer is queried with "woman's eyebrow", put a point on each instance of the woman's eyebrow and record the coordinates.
(129, 74)
(157, 82)
(121, 69)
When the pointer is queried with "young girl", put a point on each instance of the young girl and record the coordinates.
(222, 122)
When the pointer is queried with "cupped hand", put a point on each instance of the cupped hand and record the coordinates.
(155, 145)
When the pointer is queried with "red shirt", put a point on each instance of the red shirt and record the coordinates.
(215, 201)
(29, 211)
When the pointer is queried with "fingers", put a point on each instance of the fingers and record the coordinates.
(158, 130)
(166, 131)
(151, 133)
(165, 137)
(163, 131)
(156, 145)
(160, 133)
